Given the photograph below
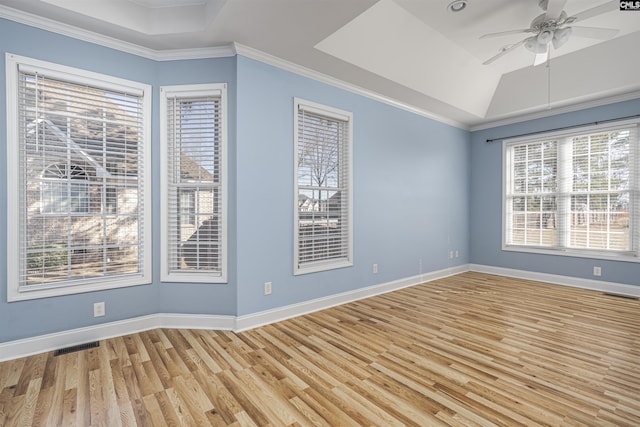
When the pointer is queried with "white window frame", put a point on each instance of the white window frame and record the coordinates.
(563, 192)
(339, 115)
(193, 90)
(15, 292)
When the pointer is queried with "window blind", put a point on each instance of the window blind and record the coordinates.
(323, 186)
(577, 192)
(80, 155)
(194, 190)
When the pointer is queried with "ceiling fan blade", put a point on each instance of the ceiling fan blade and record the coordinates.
(504, 51)
(594, 33)
(541, 58)
(594, 11)
(554, 9)
(505, 33)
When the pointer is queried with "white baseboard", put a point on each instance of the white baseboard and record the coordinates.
(576, 282)
(261, 318)
(43, 343)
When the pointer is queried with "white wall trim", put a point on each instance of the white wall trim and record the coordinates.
(209, 52)
(556, 279)
(523, 117)
(233, 49)
(266, 317)
(196, 53)
(110, 42)
(323, 78)
(43, 343)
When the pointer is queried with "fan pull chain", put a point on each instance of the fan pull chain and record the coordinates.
(549, 81)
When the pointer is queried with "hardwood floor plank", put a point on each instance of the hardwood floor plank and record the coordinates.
(69, 410)
(185, 418)
(82, 394)
(468, 350)
(224, 404)
(332, 411)
(156, 417)
(250, 409)
(43, 407)
(166, 408)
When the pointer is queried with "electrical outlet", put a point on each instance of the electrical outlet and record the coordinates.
(267, 288)
(597, 271)
(450, 254)
(99, 309)
(375, 268)
(457, 253)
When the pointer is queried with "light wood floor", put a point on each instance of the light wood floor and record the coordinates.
(468, 350)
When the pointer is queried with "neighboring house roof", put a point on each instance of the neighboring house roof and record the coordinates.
(101, 172)
(191, 169)
(307, 204)
(98, 128)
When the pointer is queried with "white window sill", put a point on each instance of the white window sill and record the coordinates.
(66, 288)
(321, 266)
(576, 253)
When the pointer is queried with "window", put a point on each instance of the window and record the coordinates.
(323, 222)
(187, 208)
(77, 142)
(193, 149)
(64, 189)
(575, 193)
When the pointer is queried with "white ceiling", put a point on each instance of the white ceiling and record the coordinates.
(414, 53)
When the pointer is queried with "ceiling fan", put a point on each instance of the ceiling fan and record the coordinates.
(554, 27)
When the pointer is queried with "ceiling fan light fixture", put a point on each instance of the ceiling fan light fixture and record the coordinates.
(457, 6)
(561, 36)
(533, 45)
(545, 36)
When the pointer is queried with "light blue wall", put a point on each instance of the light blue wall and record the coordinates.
(37, 317)
(199, 298)
(421, 189)
(411, 186)
(410, 191)
(486, 201)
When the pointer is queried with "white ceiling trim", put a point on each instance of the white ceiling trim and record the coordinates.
(233, 49)
(315, 75)
(212, 52)
(71, 31)
(196, 53)
(628, 96)
(147, 17)
(110, 42)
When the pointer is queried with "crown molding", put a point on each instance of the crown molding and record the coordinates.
(269, 59)
(209, 52)
(113, 43)
(606, 100)
(74, 32)
(196, 53)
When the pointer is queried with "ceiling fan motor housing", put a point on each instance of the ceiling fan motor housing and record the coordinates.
(547, 31)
